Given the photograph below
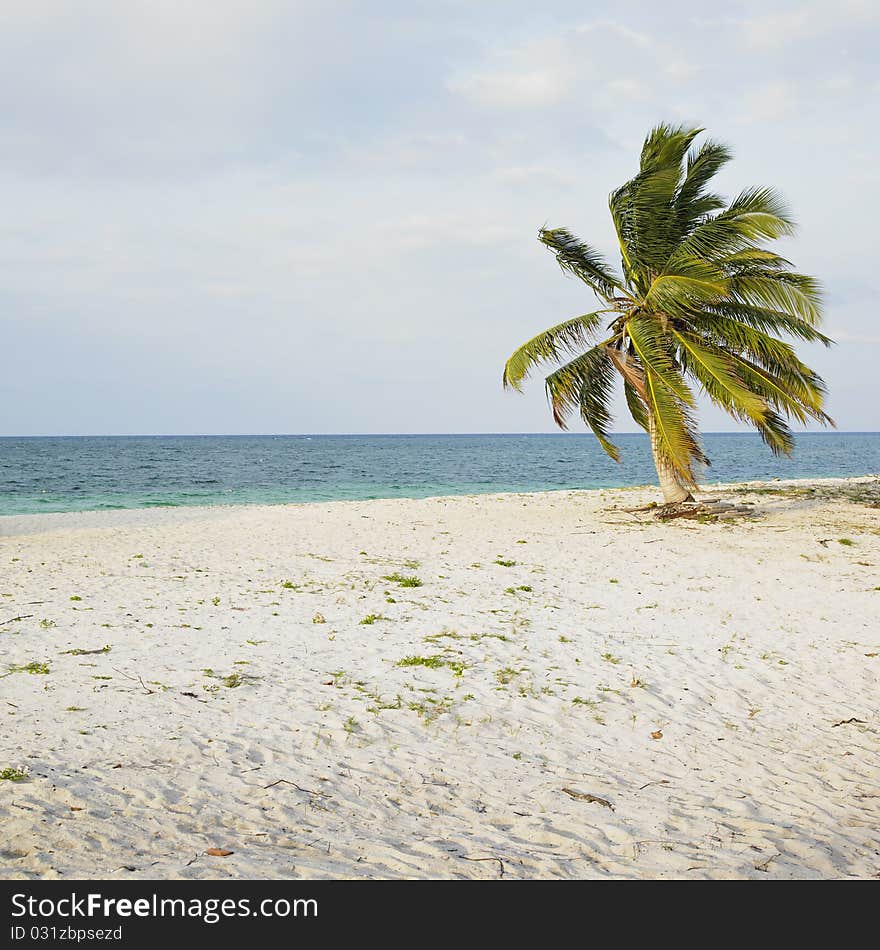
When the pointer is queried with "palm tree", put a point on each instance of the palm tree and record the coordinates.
(701, 299)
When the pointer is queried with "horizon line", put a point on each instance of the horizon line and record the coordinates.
(353, 435)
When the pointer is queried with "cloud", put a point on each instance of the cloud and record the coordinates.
(319, 214)
(772, 29)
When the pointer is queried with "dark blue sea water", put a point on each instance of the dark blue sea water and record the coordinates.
(78, 474)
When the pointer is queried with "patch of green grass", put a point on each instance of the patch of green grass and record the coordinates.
(47, 624)
(76, 597)
(78, 651)
(563, 639)
(34, 667)
(351, 725)
(434, 662)
(429, 708)
(402, 580)
(611, 658)
(288, 585)
(371, 619)
(10, 774)
(75, 709)
(215, 601)
(613, 580)
(589, 703)
(431, 662)
(231, 680)
(379, 704)
(846, 542)
(506, 675)
(443, 635)
(503, 562)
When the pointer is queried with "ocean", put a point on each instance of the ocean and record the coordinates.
(43, 474)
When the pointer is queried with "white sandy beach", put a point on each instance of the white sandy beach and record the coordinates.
(715, 686)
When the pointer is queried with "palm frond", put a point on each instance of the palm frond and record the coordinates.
(787, 392)
(585, 384)
(693, 203)
(761, 318)
(561, 341)
(792, 293)
(761, 213)
(717, 373)
(581, 260)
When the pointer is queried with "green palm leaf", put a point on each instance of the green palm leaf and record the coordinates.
(565, 339)
(585, 384)
(581, 260)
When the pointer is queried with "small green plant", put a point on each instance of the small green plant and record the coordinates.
(379, 704)
(846, 542)
(75, 709)
(611, 658)
(431, 662)
(613, 580)
(506, 675)
(34, 667)
(429, 709)
(402, 580)
(502, 562)
(47, 624)
(351, 725)
(76, 597)
(371, 619)
(78, 651)
(232, 680)
(215, 601)
(589, 703)
(11, 774)
(288, 585)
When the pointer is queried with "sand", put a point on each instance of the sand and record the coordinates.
(605, 695)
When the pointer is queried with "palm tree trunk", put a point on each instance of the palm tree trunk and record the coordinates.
(673, 491)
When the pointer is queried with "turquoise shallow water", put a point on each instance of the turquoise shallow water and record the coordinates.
(95, 473)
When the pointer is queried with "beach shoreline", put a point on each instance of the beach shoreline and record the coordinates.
(34, 522)
(539, 685)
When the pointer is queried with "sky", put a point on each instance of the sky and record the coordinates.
(256, 216)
